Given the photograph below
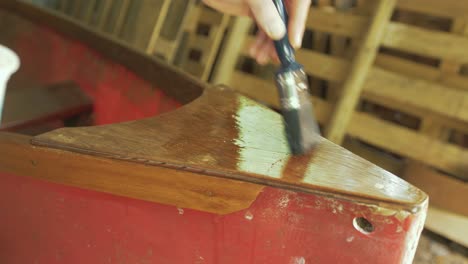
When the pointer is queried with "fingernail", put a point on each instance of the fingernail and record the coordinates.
(297, 41)
(276, 30)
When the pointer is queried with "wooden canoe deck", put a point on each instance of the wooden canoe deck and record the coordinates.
(226, 135)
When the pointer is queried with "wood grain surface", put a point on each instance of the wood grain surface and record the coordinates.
(135, 180)
(226, 135)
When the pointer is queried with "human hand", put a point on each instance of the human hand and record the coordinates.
(270, 24)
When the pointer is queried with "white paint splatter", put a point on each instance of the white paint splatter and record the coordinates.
(261, 151)
(402, 215)
(249, 216)
(298, 260)
(318, 204)
(334, 205)
(207, 158)
(350, 239)
(340, 208)
(399, 229)
(388, 221)
(284, 201)
(181, 211)
(200, 259)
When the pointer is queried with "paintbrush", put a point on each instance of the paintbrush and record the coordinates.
(296, 106)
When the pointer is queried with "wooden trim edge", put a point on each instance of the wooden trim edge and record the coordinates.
(150, 183)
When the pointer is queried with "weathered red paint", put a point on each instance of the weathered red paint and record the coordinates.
(49, 223)
(119, 95)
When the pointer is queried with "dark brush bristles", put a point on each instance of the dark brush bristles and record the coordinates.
(300, 125)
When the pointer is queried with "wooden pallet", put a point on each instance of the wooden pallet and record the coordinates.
(184, 33)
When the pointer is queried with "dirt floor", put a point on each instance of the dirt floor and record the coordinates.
(434, 249)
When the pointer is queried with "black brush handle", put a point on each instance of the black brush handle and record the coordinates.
(283, 46)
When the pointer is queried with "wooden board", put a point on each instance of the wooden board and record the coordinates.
(447, 224)
(447, 8)
(444, 191)
(129, 179)
(232, 137)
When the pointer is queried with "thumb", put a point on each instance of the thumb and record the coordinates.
(267, 17)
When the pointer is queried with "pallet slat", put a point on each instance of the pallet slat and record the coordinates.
(445, 192)
(426, 42)
(163, 12)
(446, 8)
(418, 70)
(423, 95)
(346, 25)
(447, 224)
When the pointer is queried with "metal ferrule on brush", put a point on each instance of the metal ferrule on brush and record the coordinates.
(290, 84)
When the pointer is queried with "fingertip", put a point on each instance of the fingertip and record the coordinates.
(297, 41)
(296, 34)
(276, 30)
(299, 10)
(268, 18)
